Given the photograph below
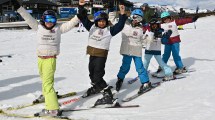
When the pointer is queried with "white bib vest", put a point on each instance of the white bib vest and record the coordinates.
(170, 26)
(99, 38)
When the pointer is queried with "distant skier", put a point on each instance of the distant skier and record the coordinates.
(48, 39)
(148, 12)
(181, 15)
(100, 34)
(173, 44)
(131, 48)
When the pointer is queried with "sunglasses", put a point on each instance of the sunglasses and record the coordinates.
(50, 19)
(137, 18)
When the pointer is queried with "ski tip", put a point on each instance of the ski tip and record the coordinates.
(36, 115)
(117, 104)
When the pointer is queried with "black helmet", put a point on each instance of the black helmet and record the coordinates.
(153, 22)
(145, 5)
(50, 12)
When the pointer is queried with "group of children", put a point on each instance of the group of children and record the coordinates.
(100, 34)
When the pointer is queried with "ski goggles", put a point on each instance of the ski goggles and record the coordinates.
(50, 19)
(137, 18)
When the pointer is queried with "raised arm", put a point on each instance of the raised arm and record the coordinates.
(82, 15)
(65, 27)
(120, 25)
(26, 16)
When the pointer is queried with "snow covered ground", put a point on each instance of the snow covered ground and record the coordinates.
(191, 98)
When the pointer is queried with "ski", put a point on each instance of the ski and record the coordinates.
(117, 105)
(39, 100)
(9, 56)
(35, 102)
(177, 76)
(133, 80)
(174, 77)
(154, 85)
(188, 71)
(32, 116)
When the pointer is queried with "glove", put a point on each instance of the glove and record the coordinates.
(168, 33)
(158, 33)
(82, 12)
(165, 37)
(195, 18)
(126, 3)
(17, 3)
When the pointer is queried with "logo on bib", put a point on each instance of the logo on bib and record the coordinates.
(135, 33)
(100, 32)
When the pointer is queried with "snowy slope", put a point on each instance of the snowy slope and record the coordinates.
(171, 8)
(191, 98)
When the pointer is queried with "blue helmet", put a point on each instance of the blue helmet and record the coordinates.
(137, 12)
(100, 15)
(165, 14)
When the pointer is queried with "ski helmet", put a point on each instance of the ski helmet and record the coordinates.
(165, 14)
(154, 24)
(49, 16)
(137, 15)
(137, 12)
(100, 15)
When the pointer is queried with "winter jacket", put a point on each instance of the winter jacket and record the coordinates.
(48, 40)
(132, 41)
(175, 37)
(99, 38)
(153, 45)
(148, 14)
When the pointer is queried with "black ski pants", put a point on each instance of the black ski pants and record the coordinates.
(97, 71)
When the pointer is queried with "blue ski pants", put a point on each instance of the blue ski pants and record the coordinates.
(164, 66)
(126, 63)
(175, 49)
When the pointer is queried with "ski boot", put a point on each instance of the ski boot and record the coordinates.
(119, 84)
(159, 70)
(107, 98)
(180, 71)
(145, 87)
(168, 78)
(41, 99)
(91, 91)
(52, 113)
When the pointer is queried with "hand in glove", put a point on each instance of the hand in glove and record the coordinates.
(82, 12)
(166, 36)
(17, 4)
(158, 33)
(195, 18)
(168, 33)
(126, 3)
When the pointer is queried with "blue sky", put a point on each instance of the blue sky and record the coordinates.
(203, 4)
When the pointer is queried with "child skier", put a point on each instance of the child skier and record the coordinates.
(173, 44)
(131, 48)
(153, 37)
(48, 38)
(100, 34)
